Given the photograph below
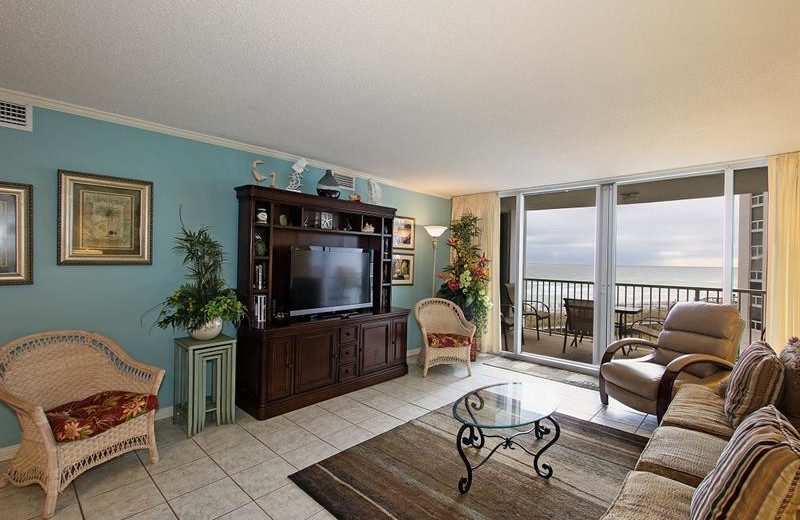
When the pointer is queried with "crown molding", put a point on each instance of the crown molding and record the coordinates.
(102, 115)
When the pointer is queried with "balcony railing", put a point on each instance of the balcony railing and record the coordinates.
(654, 300)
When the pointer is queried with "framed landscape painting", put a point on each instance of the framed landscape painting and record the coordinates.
(403, 269)
(404, 233)
(104, 220)
(16, 233)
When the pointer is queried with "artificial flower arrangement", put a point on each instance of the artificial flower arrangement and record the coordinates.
(466, 279)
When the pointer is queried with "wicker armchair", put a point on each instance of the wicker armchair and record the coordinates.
(439, 317)
(41, 371)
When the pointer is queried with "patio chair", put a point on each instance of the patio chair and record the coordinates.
(447, 336)
(580, 320)
(532, 310)
(42, 372)
(698, 345)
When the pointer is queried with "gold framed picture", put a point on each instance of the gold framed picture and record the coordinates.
(104, 220)
(404, 232)
(16, 234)
(403, 269)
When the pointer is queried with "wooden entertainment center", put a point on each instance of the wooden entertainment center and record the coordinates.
(285, 363)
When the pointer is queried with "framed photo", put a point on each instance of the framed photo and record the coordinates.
(404, 234)
(16, 234)
(403, 269)
(104, 220)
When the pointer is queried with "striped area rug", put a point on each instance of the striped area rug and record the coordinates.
(412, 472)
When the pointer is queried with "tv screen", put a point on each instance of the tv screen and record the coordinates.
(329, 279)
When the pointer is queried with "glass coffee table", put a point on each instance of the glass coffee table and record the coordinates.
(505, 406)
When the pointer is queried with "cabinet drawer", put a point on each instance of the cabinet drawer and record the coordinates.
(347, 371)
(347, 352)
(348, 333)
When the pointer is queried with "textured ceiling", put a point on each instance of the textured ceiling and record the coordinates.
(449, 96)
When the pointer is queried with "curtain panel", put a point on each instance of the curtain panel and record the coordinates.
(486, 206)
(783, 249)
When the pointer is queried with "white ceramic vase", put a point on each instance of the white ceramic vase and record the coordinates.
(210, 330)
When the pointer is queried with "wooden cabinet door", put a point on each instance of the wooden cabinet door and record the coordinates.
(375, 349)
(399, 328)
(280, 366)
(317, 359)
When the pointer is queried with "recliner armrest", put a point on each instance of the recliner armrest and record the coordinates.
(674, 368)
(625, 342)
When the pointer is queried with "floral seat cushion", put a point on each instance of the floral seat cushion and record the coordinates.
(445, 340)
(97, 413)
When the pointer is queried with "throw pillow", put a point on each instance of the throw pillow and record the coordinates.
(757, 474)
(756, 381)
(790, 402)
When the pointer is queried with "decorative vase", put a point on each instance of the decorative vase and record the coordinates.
(210, 330)
(327, 186)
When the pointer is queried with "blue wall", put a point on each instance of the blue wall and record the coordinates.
(197, 176)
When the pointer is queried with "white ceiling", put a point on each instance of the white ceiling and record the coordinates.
(448, 96)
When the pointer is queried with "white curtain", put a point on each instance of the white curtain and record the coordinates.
(783, 249)
(486, 206)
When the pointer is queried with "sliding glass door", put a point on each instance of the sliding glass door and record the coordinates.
(669, 248)
(581, 267)
(551, 275)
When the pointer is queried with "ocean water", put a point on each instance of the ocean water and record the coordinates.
(684, 276)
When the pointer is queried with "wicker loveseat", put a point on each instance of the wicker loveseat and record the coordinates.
(42, 371)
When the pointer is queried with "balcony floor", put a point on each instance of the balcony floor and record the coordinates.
(551, 346)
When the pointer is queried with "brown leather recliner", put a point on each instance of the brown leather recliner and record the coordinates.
(698, 344)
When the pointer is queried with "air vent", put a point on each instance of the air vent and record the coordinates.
(346, 182)
(15, 115)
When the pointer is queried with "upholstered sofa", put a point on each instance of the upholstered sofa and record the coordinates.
(693, 440)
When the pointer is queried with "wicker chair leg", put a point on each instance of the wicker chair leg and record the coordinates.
(152, 450)
(51, 496)
(469, 368)
(425, 369)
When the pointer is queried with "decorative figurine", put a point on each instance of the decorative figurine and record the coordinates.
(274, 184)
(261, 215)
(355, 197)
(375, 192)
(328, 187)
(257, 175)
(368, 228)
(298, 168)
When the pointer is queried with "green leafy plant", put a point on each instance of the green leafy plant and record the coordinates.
(207, 297)
(466, 280)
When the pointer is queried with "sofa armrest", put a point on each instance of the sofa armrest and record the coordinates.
(626, 342)
(674, 368)
(30, 414)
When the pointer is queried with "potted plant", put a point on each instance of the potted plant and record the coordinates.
(466, 279)
(203, 305)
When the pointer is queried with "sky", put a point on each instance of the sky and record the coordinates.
(672, 233)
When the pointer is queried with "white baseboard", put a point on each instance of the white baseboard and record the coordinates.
(414, 352)
(8, 452)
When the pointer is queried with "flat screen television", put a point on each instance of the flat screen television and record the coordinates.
(329, 279)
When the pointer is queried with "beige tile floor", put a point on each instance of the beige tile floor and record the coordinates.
(239, 471)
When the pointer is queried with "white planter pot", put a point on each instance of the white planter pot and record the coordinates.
(210, 330)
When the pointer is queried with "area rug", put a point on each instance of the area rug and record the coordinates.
(552, 373)
(412, 472)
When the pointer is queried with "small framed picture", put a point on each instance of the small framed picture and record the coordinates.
(16, 234)
(404, 233)
(403, 269)
(104, 220)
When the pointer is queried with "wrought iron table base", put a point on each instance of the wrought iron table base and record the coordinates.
(470, 435)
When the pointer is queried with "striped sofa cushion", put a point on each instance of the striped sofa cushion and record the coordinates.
(757, 475)
(790, 402)
(756, 381)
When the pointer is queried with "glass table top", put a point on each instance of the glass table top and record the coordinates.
(505, 405)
